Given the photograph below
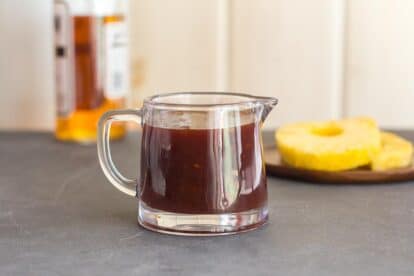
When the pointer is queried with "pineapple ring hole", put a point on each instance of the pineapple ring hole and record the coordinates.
(327, 130)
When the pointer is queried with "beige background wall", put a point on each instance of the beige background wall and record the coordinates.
(26, 65)
(322, 58)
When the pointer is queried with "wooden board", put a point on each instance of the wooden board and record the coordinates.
(275, 167)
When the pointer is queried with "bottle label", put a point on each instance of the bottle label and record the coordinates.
(116, 60)
(65, 98)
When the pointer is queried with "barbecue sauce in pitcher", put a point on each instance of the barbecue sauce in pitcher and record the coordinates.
(202, 171)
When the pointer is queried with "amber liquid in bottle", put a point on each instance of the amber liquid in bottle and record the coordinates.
(90, 101)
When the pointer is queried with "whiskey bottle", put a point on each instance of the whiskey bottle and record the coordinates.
(91, 62)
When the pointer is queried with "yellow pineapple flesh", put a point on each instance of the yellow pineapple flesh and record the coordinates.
(329, 146)
(395, 152)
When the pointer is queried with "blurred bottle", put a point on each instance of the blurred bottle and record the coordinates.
(92, 73)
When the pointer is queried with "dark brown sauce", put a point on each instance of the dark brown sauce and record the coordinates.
(203, 171)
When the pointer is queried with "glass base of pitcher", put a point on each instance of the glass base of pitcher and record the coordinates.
(200, 225)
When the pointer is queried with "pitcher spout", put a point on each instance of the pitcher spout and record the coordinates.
(268, 104)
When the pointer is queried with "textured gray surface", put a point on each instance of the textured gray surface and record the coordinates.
(60, 216)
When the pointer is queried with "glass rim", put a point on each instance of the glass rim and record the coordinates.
(250, 99)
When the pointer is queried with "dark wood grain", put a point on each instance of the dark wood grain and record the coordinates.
(275, 167)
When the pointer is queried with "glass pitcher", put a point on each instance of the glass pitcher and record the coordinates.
(202, 170)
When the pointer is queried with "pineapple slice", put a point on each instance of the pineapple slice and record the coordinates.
(329, 146)
(396, 152)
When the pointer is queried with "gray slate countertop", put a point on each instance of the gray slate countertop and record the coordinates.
(60, 216)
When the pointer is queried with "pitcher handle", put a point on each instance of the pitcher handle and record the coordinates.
(121, 182)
